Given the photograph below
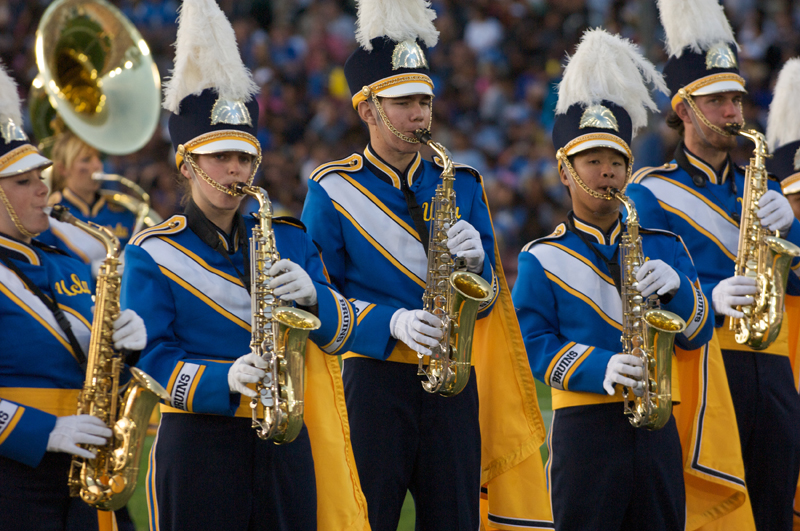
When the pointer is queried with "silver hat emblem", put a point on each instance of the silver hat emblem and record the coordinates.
(600, 117)
(720, 56)
(797, 160)
(231, 112)
(12, 132)
(408, 54)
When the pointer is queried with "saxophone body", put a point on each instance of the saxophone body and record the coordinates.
(761, 255)
(107, 482)
(451, 293)
(648, 332)
(279, 335)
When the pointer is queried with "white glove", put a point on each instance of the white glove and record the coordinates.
(465, 242)
(775, 212)
(291, 283)
(416, 328)
(729, 293)
(78, 429)
(247, 369)
(129, 331)
(662, 279)
(624, 369)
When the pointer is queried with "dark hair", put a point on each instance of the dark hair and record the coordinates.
(674, 122)
(185, 187)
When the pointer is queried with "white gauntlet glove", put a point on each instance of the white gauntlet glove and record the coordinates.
(416, 328)
(78, 429)
(465, 242)
(292, 283)
(624, 369)
(129, 331)
(662, 279)
(732, 292)
(246, 369)
(775, 212)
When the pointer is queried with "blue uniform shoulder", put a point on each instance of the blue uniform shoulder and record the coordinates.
(460, 168)
(560, 231)
(653, 170)
(350, 164)
(173, 225)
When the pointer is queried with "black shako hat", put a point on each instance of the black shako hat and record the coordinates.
(583, 127)
(390, 70)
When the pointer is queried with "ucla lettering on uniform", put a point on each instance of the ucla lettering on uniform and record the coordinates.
(77, 287)
(427, 211)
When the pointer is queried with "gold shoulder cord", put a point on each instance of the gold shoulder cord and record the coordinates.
(14, 217)
(734, 127)
(411, 140)
(187, 156)
(561, 155)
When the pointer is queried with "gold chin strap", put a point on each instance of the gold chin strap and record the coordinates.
(730, 129)
(187, 156)
(14, 217)
(561, 155)
(411, 140)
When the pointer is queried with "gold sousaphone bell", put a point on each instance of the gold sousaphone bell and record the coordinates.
(95, 72)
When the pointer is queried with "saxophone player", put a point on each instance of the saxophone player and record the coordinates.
(370, 213)
(568, 301)
(698, 195)
(46, 307)
(190, 277)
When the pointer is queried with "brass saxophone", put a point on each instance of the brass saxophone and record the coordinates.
(107, 481)
(648, 332)
(761, 255)
(279, 334)
(451, 294)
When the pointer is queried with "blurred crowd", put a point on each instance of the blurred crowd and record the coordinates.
(496, 68)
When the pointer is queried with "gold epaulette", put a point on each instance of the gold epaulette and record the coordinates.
(560, 230)
(173, 225)
(352, 163)
(647, 170)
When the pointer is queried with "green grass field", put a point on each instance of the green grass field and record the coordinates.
(138, 504)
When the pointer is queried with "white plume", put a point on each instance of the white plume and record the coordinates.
(399, 20)
(206, 56)
(9, 98)
(783, 124)
(698, 24)
(608, 67)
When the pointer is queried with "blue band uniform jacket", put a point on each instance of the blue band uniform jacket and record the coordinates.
(571, 313)
(707, 219)
(40, 376)
(190, 352)
(357, 211)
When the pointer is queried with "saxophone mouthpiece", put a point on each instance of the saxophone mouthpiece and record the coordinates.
(60, 213)
(423, 135)
(239, 188)
(733, 128)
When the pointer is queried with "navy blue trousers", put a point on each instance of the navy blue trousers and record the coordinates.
(607, 475)
(214, 472)
(407, 439)
(768, 414)
(38, 498)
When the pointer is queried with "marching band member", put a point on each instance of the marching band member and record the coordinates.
(567, 297)
(46, 302)
(783, 137)
(370, 214)
(699, 196)
(190, 277)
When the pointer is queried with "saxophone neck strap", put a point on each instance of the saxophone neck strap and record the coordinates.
(611, 264)
(416, 213)
(209, 234)
(52, 304)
